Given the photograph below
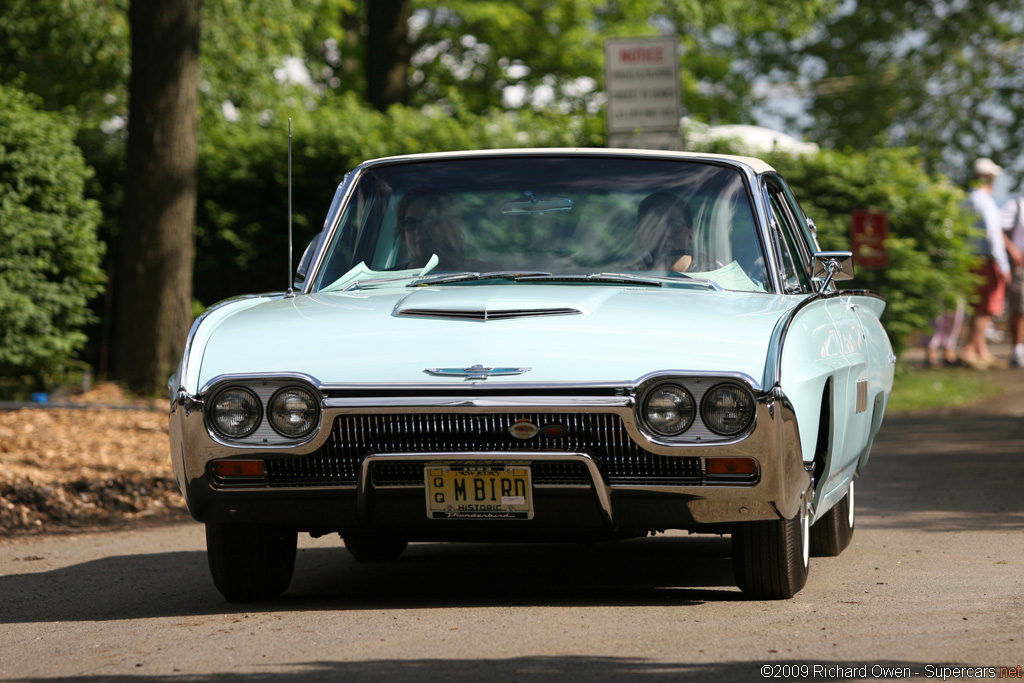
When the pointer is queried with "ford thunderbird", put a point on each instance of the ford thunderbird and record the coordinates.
(570, 345)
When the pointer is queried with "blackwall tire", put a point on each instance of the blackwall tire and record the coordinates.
(250, 562)
(831, 534)
(770, 560)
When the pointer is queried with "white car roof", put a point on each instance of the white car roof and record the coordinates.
(756, 165)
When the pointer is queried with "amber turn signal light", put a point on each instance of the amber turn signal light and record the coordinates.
(238, 468)
(730, 466)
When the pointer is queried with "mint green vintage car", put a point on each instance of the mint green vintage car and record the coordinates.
(568, 345)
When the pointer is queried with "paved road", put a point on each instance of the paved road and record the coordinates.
(933, 580)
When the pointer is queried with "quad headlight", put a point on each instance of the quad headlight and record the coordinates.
(235, 412)
(293, 412)
(727, 409)
(669, 410)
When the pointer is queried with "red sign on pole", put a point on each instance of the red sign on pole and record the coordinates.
(868, 230)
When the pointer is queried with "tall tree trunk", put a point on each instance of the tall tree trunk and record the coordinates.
(387, 52)
(156, 249)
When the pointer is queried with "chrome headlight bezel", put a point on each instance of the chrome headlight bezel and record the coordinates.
(698, 385)
(265, 387)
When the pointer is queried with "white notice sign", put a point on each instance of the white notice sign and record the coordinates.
(642, 84)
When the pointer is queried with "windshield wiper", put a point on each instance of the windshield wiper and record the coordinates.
(367, 283)
(543, 276)
(451, 278)
(594, 278)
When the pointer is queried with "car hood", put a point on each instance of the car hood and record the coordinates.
(562, 333)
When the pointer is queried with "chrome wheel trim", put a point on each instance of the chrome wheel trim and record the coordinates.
(850, 506)
(805, 534)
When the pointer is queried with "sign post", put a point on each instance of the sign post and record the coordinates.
(642, 85)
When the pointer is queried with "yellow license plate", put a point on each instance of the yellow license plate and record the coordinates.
(478, 491)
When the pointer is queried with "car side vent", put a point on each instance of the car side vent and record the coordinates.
(862, 395)
(486, 316)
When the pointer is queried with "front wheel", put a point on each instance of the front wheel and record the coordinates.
(250, 561)
(770, 560)
(833, 532)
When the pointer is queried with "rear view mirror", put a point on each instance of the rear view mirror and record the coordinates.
(831, 266)
(533, 204)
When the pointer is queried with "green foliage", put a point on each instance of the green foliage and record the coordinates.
(245, 44)
(49, 253)
(554, 51)
(72, 53)
(77, 53)
(937, 76)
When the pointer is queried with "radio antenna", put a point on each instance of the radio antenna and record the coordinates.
(290, 293)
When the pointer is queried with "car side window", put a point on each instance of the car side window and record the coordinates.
(793, 251)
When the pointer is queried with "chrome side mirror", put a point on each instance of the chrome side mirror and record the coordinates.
(831, 266)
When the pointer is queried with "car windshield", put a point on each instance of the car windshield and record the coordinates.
(546, 219)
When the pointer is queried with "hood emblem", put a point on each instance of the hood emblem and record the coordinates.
(475, 372)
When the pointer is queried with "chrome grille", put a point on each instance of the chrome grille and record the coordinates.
(601, 435)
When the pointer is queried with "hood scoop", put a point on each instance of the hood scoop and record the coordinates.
(491, 303)
(484, 315)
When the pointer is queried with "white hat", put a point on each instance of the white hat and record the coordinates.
(987, 167)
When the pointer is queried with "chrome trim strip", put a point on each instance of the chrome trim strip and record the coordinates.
(626, 387)
(602, 490)
(261, 377)
(668, 375)
(384, 404)
(485, 315)
(331, 222)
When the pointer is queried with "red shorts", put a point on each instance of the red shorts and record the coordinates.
(991, 292)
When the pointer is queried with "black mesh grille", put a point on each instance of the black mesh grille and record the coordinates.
(600, 435)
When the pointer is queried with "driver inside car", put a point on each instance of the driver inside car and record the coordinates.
(430, 225)
(664, 234)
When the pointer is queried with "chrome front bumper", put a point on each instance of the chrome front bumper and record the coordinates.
(774, 443)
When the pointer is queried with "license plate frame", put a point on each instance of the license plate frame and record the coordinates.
(478, 491)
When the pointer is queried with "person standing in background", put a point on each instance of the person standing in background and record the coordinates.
(1013, 234)
(995, 267)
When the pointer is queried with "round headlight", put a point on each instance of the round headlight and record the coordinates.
(294, 412)
(669, 410)
(235, 413)
(727, 409)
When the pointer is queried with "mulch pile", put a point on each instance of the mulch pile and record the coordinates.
(103, 464)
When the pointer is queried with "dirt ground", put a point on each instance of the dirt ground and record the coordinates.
(103, 462)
